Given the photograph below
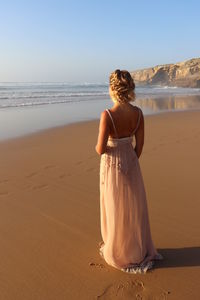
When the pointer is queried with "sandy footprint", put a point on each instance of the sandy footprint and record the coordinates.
(130, 289)
(96, 265)
(49, 167)
(3, 193)
(39, 186)
(4, 180)
(31, 174)
(62, 175)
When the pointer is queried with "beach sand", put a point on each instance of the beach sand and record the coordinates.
(50, 214)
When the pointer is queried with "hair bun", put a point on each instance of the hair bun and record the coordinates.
(118, 72)
(121, 83)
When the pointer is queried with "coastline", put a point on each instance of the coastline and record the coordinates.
(49, 215)
(54, 128)
(22, 121)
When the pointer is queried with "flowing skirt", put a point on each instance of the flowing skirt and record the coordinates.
(127, 243)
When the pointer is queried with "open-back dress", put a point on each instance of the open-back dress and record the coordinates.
(126, 237)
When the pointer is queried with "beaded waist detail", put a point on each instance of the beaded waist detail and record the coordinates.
(113, 142)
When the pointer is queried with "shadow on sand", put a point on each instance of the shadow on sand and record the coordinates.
(179, 257)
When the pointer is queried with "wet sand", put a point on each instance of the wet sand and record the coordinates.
(50, 218)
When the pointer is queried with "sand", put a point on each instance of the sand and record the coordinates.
(50, 215)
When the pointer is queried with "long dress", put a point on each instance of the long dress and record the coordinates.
(126, 237)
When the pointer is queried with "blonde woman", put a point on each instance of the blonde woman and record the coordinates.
(127, 244)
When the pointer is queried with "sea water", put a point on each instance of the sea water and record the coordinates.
(29, 107)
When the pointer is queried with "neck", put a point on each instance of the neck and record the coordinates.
(117, 104)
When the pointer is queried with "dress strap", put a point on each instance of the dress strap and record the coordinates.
(138, 122)
(112, 121)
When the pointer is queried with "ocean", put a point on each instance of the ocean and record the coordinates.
(29, 107)
(32, 94)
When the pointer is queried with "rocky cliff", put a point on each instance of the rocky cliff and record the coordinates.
(183, 74)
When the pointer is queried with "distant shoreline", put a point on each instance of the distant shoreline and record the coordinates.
(86, 121)
(27, 108)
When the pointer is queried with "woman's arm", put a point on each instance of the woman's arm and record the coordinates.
(103, 133)
(139, 136)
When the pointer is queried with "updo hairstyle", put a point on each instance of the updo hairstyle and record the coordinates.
(121, 86)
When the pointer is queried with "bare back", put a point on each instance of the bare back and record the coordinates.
(119, 122)
(125, 119)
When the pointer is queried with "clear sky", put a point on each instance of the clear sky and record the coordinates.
(83, 40)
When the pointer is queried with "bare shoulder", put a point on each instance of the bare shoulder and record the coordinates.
(104, 117)
(137, 110)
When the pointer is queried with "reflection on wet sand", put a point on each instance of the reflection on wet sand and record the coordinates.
(25, 120)
(153, 105)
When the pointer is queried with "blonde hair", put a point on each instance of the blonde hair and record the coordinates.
(121, 84)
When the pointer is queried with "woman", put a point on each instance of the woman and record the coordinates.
(127, 244)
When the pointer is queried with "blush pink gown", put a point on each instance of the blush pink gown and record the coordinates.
(127, 244)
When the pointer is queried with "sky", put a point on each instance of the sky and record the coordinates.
(83, 40)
